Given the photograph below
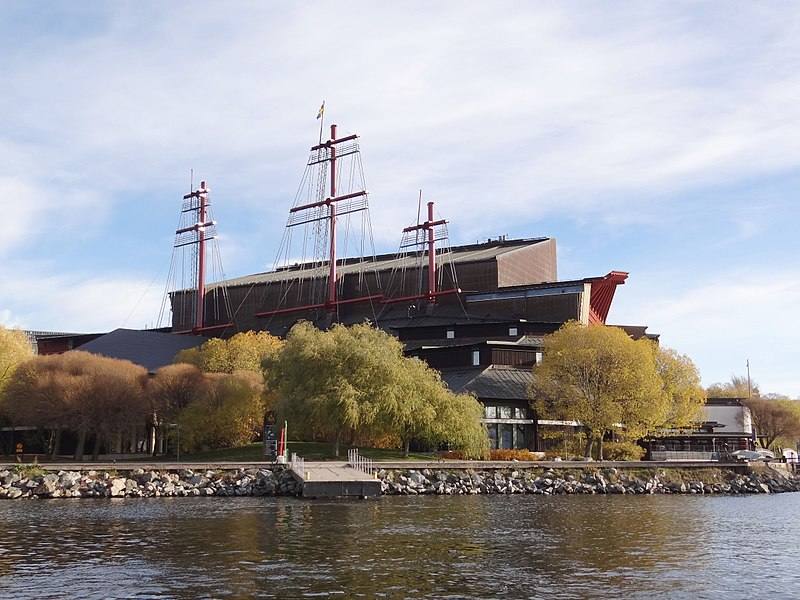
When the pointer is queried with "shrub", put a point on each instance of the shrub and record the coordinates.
(515, 455)
(622, 451)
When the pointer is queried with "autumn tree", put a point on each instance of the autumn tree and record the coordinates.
(602, 378)
(680, 383)
(775, 419)
(228, 413)
(14, 349)
(77, 390)
(243, 352)
(737, 387)
(356, 379)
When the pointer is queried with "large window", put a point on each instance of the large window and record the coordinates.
(506, 436)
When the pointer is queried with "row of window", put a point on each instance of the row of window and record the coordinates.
(506, 437)
(512, 331)
(505, 412)
(476, 358)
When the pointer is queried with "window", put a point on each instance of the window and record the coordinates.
(476, 358)
(451, 334)
(512, 331)
(506, 437)
(490, 412)
(538, 357)
(519, 413)
(491, 429)
(505, 412)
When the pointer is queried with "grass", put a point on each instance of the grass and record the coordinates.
(308, 450)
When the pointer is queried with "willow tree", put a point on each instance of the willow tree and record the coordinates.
(599, 376)
(357, 380)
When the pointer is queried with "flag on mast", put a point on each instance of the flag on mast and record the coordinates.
(321, 110)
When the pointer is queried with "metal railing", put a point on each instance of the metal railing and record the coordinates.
(298, 465)
(358, 462)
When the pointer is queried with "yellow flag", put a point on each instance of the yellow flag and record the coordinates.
(321, 110)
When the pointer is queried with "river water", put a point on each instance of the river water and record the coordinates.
(403, 547)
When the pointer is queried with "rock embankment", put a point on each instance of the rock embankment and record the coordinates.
(587, 481)
(147, 484)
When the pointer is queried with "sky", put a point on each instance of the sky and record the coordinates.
(658, 138)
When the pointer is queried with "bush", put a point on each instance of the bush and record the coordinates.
(515, 455)
(622, 451)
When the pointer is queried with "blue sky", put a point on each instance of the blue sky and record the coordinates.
(661, 139)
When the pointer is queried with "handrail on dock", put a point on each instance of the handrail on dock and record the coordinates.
(298, 465)
(359, 463)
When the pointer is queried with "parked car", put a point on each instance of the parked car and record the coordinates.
(753, 455)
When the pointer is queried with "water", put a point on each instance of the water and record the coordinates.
(403, 547)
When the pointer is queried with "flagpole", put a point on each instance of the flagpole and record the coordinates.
(321, 120)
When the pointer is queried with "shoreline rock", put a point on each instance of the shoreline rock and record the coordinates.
(584, 481)
(149, 484)
(279, 481)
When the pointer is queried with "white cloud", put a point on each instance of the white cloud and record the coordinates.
(524, 107)
(33, 297)
(722, 322)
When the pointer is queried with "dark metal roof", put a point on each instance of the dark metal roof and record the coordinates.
(488, 250)
(496, 382)
(150, 349)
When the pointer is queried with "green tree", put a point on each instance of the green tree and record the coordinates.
(243, 352)
(601, 377)
(356, 380)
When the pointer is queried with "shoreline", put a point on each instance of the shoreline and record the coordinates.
(50, 481)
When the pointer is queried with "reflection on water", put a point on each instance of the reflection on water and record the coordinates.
(395, 547)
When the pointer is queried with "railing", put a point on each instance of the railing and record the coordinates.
(358, 462)
(669, 455)
(298, 465)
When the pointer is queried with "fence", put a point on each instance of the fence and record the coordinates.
(358, 462)
(298, 465)
(668, 455)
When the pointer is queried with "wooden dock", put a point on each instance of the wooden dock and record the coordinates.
(336, 480)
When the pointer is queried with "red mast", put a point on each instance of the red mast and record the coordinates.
(198, 202)
(326, 152)
(201, 258)
(429, 226)
(331, 302)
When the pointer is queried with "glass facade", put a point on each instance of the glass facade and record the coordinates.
(510, 434)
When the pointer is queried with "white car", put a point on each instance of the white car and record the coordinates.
(750, 455)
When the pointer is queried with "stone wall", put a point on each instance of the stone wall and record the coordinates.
(585, 481)
(32, 483)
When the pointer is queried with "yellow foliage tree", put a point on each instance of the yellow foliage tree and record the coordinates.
(243, 352)
(227, 414)
(14, 349)
(602, 378)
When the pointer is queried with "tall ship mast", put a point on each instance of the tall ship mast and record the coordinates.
(329, 219)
